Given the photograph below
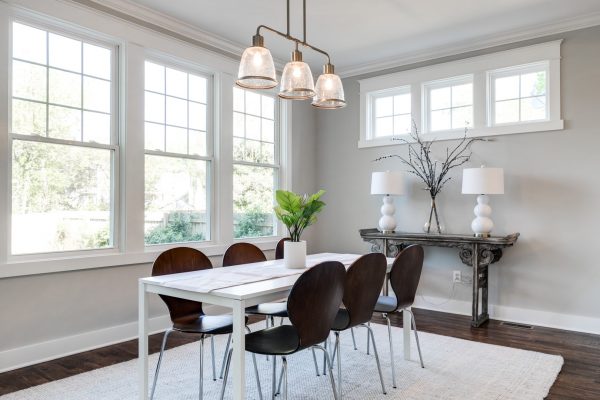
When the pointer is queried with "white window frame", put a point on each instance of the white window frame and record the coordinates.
(478, 67)
(371, 111)
(426, 89)
(512, 71)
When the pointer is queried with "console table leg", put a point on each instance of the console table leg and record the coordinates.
(475, 305)
(480, 278)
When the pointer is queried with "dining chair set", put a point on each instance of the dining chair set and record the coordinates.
(325, 299)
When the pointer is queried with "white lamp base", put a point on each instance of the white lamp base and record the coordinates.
(387, 222)
(482, 225)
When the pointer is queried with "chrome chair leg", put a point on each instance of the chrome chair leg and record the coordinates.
(274, 380)
(267, 327)
(260, 396)
(339, 363)
(392, 359)
(212, 352)
(228, 363)
(225, 356)
(370, 333)
(325, 357)
(369, 325)
(316, 364)
(353, 338)
(279, 384)
(201, 383)
(335, 396)
(162, 350)
(285, 384)
(414, 326)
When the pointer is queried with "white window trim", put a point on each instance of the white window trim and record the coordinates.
(134, 44)
(478, 67)
(370, 108)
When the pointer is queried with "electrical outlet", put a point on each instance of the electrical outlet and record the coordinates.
(456, 277)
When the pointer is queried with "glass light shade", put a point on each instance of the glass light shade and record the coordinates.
(329, 92)
(297, 81)
(257, 70)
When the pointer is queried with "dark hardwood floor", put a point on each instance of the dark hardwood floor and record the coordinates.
(579, 378)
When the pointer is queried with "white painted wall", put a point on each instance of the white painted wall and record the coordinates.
(552, 276)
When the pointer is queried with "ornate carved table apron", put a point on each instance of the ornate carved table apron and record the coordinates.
(475, 252)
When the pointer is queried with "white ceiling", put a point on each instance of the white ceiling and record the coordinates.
(357, 33)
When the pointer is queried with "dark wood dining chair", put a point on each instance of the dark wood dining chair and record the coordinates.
(188, 316)
(279, 248)
(312, 305)
(404, 279)
(362, 286)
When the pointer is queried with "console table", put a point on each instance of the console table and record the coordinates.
(476, 252)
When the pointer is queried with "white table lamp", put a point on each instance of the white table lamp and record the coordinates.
(483, 181)
(387, 183)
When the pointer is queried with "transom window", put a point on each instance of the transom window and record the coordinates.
(519, 94)
(256, 163)
(63, 142)
(392, 112)
(449, 104)
(178, 155)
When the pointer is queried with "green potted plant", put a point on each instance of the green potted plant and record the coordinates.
(297, 213)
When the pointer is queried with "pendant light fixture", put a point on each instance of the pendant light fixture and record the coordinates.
(257, 71)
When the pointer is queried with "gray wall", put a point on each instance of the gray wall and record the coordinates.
(551, 198)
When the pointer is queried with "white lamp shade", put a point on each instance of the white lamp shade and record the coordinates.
(257, 70)
(388, 182)
(483, 181)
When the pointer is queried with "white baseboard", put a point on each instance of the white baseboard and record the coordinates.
(547, 319)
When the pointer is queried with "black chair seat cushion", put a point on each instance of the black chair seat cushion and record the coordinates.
(342, 320)
(386, 304)
(281, 340)
(207, 324)
(274, 309)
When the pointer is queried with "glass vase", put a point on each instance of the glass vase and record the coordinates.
(434, 223)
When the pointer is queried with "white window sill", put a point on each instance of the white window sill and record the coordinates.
(115, 259)
(543, 126)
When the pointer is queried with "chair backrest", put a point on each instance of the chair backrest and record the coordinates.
(314, 301)
(279, 248)
(406, 273)
(242, 253)
(362, 287)
(174, 261)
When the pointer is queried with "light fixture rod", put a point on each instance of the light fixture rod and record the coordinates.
(304, 19)
(293, 39)
(288, 17)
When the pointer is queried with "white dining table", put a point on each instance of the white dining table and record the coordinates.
(235, 287)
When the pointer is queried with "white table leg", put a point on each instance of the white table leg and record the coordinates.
(406, 327)
(239, 351)
(143, 341)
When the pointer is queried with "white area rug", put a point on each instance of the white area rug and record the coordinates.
(454, 369)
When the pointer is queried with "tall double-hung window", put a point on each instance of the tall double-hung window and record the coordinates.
(63, 141)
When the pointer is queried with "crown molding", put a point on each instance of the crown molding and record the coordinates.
(486, 42)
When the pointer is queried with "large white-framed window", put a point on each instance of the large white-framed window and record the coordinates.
(506, 92)
(390, 112)
(448, 104)
(256, 162)
(63, 141)
(178, 139)
(518, 94)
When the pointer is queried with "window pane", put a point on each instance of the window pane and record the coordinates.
(61, 198)
(197, 143)
(96, 61)
(402, 104)
(268, 107)
(177, 112)
(96, 127)
(384, 126)
(238, 124)
(462, 117)
(64, 53)
(29, 81)
(29, 43)
(268, 153)
(440, 120)
(176, 140)
(154, 77)
(177, 84)
(252, 153)
(64, 123)
(197, 116)
(507, 88)
(175, 200)
(239, 149)
(253, 103)
(238, 100)
(252, 127)
(197, 88)
(462, 95)
(65, 88)
(96, 94)
(28, 118)
(402, 124)
(439, 98)
(384, 106)
(506, 111)
(155, 107)
(533, 84)
(268, 130)
(533, 108)
(154, 136)
(253, 195)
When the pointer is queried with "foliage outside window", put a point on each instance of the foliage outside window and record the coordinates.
(63, 145)
(177, 161)
(256, 163)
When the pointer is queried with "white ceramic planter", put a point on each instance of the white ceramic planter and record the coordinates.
(294, 254)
